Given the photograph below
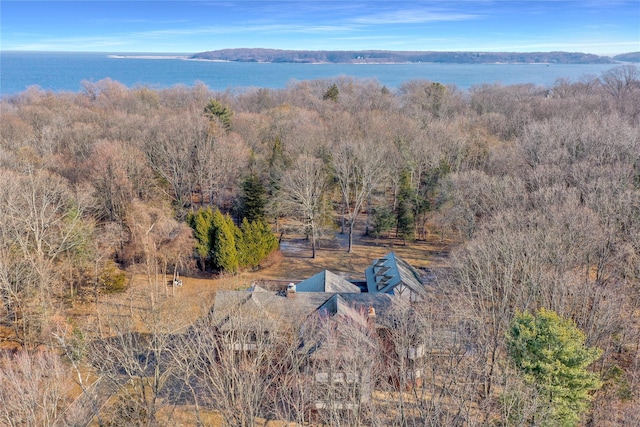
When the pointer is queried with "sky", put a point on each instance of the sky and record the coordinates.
(603, 27)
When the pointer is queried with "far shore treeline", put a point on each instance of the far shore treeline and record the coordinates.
(387, 56)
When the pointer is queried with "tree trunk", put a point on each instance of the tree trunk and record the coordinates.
(175, 279)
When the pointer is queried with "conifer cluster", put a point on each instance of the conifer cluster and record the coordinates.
(223, 246)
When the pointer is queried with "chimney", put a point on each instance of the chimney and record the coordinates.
(291, 290)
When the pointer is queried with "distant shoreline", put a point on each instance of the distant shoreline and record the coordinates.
(188, 58)
(379, 57)
(148, 56)
(261, 55)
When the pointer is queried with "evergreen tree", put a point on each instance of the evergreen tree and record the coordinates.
(437, 93)
(430, 183)
(331, 93)
(216, 111)
(254, 243)
(201, 223)
(550, 351)
(253, 199)
(226, 246)
(383, 220)
(405, 215)
(224, 255)
(278, 162)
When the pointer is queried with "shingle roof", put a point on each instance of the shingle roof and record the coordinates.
(326, 281)
(387, 273)
(263, 310)
(325, 291)
(338, 306)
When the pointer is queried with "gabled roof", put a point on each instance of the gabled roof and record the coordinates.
(242, 310)
(257, 288)
(337, 306)
(326, 281)
(390, 274)
(258, 309)
(381, 303)
(341, 328)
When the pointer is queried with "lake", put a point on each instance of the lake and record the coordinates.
(58, 71)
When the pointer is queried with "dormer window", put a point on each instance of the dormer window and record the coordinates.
(380, 271)
(381, 262)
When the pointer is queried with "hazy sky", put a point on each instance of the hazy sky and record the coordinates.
(596, 26)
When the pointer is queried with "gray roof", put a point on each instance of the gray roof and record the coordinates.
(379, 302)
(338, 306)
(340, 327)
(242, 310)
(389, 272)
(326, 281)
(263, 310)
(259, 309)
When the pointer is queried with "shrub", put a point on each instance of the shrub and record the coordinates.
(224, 255)
(112, 278)
(255, 242)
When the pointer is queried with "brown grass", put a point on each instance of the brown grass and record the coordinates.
(298, 264)
(292, 262)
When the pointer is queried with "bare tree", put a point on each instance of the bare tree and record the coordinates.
(133, 357)
(358, 168)
(232, 360)
(621, 81)
(41, 222)
(427, 369)
(219, 162)
(33, 388)
(302, 190)
(159, 241)
(342, 350)
(119, 173)
(476, 196)
(171, 149)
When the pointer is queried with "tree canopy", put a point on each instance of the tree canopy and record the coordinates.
(215, 110)
(551, 353)
(226, 247)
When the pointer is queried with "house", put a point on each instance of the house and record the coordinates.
(341, 327)
(327, 282)
(393, 275)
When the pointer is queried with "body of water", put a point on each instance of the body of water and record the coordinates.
(57, 71)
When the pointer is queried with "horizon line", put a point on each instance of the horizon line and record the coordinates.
(315, 50)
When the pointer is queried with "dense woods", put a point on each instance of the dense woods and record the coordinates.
(539, 188)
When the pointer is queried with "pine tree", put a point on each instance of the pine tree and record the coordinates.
(405, 215)
(550, 351)
(201, 223)
(331, 93)
(437, 94)
(254, 243)
(224, 255)
(383, 220)
(253, 199)
(215, 111)
(278, 161)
